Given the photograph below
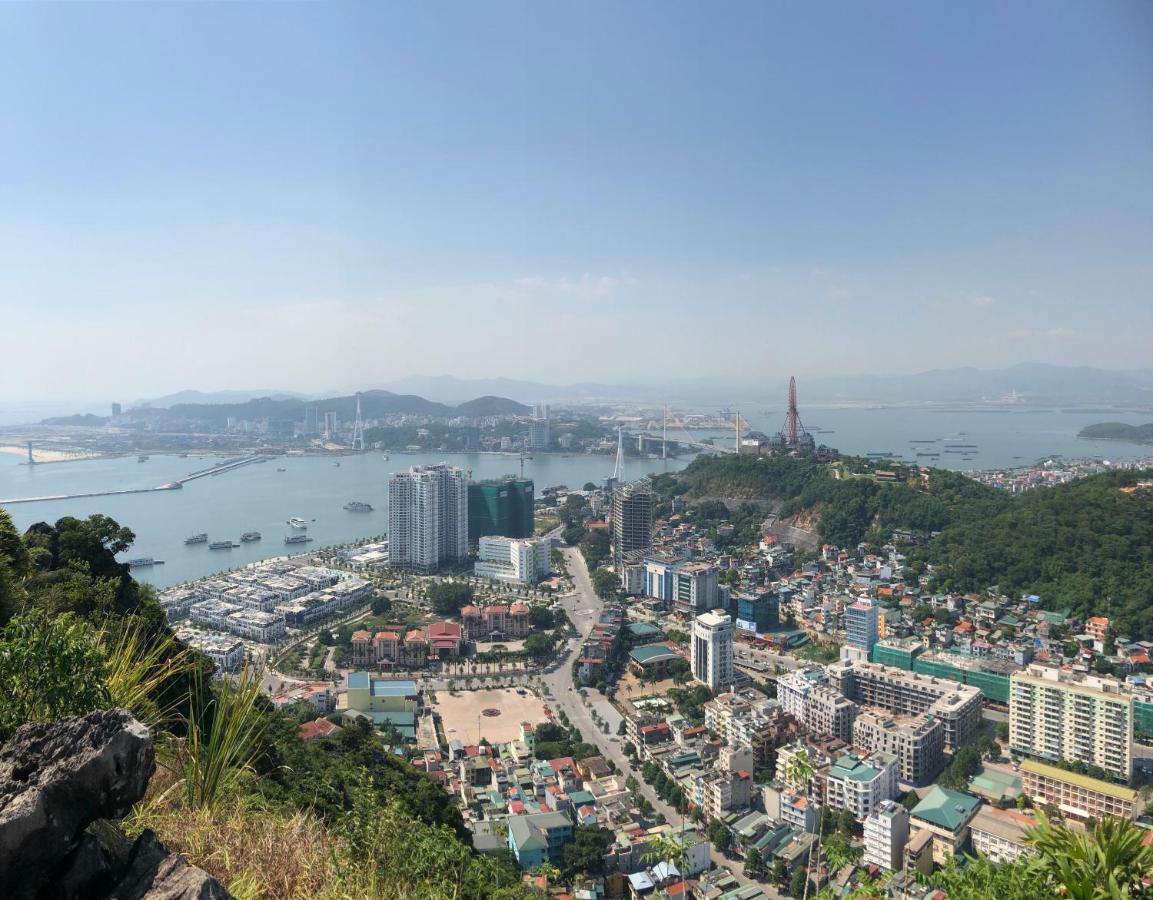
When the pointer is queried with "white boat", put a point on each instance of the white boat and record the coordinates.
(297, 522)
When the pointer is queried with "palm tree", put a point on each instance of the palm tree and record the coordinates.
(1109, 862)
(800, 770)
(668, 848)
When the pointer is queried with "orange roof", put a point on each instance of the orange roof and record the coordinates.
(316, 728)
(414, 637)
(492, 610)
(361, 635)
(470, 610)
(517, 608)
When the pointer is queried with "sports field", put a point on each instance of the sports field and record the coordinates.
(459, 714)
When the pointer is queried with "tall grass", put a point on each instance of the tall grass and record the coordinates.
(139, 666)
(224, 733)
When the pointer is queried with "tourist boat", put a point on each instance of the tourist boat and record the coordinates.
(337, 464)
(250, 536)
(297, 539)
(281, 470)
(358, 506)
(143, 457)
(221, 545)
(143, 562)
(201, 538)
(297, 522)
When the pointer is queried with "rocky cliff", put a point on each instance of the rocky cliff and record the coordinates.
(61, 784)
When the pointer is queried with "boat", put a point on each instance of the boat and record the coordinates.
(297, 522)
(143, 457)
(221, 545)
(143, 562)
(249, 536)
(934, 455)
(201, 538)
(281, 470)
(337, 464)
(933, 441)
(297, 539)
(358, 506)
(385, 457)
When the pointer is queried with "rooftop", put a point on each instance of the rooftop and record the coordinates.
(945, 808)
(1083, 781)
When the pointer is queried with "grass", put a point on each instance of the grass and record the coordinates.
(223, 739)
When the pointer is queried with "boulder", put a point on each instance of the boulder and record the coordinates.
(59, 782)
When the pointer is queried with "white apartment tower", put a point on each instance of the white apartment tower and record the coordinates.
(1054, 715)
(712, 649)
(886, 831)
(427, 517)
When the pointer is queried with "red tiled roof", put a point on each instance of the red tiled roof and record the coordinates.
(316, 728)
(361, 635)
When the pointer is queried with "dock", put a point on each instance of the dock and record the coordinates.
(229, 466)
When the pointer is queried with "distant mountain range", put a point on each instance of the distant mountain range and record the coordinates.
(1031, 382)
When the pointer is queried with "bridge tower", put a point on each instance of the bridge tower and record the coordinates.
(358, 427)
(619, 468)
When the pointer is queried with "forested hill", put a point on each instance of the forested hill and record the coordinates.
(1119, 431)
(1086, 545)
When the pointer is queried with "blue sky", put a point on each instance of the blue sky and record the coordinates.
(315, 195)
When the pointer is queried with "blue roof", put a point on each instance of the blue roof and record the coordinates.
(358, 679)
(394, 688)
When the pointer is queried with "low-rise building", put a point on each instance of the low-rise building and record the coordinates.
(1076, 795)
(944, 816)
(999, 835)
(513, 560)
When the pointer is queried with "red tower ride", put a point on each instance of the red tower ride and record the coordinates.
(793, 427)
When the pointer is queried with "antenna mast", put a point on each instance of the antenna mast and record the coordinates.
(665, 435)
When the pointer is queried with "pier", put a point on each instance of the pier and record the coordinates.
(176, 485)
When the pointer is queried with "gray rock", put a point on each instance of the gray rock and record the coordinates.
(55, 779)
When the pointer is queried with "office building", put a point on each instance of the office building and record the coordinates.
(632, 520)
(513, 561)
(427, 517)
(712, 649)
(886, 831)
(116, 410)
(329, 426)
(1060, 716)
(758, 611)
(861, 629)
(957, 706)
(917, 742)
(860, 785)
(502, 507)
(311, 423)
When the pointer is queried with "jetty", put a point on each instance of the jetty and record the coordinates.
(218, 469)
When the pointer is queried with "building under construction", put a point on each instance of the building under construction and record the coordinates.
(631, 520)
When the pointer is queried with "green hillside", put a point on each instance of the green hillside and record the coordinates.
(1086, 545)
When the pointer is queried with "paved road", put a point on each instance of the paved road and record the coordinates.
(584, 608)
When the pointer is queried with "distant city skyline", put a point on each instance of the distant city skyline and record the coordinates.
(342, 195)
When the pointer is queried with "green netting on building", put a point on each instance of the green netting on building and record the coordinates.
(992, 685)
(938, 669)
(502, 507)
(897, 657)
(1143, 719)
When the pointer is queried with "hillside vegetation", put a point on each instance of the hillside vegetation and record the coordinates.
(1119, 431)
(1087, 545)
(237, 791)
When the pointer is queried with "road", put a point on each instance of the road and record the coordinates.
(583, 608)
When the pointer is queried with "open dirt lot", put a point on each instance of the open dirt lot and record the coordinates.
(459, 714)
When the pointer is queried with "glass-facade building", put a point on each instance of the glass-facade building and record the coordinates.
(501, 507)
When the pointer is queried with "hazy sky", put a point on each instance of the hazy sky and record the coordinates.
(314, 195)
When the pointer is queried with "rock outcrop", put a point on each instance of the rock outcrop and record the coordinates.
(59, 783)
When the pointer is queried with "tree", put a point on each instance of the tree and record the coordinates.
(910, 800)
(799, 884)
(584, 854)
(589, 486)
(753, 862)
(448, 597)
(720, 836)
(541, 618)
(780, 872)
(606, 583)
(381, 605)
(667, 848)
(51, 667)
(1003, 731)
(538, 646)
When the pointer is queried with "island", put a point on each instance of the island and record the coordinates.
(1119, 431)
